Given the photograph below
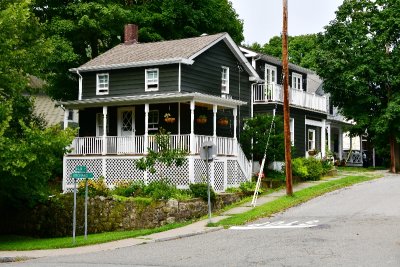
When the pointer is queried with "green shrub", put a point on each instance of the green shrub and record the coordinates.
(159, 190)
(182, 195)
(96, 187)
(233, 190)
(314, 168)
(298, 168)
(275, 175)
(127, 189)
(200, 190)
(249, 187)
(327, 165)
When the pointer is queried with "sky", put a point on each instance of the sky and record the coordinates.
(263, 18)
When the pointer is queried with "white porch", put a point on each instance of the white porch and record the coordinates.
(272, 92)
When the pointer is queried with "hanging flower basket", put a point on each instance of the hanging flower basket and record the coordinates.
(312, 152)
(223, 121)
(202, 119)
(168, 118)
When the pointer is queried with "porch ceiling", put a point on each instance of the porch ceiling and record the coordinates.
(152, 99)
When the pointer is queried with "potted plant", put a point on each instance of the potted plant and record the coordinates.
(312, 152)
(202, 119)
(223, 121)
(168, 118)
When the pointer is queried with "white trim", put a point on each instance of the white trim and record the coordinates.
(314, 123)
(295, 77)
(146, 80)
(291, 123)
(80, 85)
(119, 122)
(225, 80)
(158, 120)
(179, 77)
(271, 68)
(102, 91)
(323, 138)
(66, 113)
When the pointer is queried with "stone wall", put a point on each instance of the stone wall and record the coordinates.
(106, 214)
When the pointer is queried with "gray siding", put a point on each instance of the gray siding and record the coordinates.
(128, 82)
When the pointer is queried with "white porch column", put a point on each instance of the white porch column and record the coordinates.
(146, 128)
(179, 118)
(340, 143)
(66, 113)
(105, 111)
(235, 130)
(192, 137)
(328, 127)
(323, 138)
(215, 108)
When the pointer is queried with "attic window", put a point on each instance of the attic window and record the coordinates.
(102, 84)
(151, 80)
(225, 80)
(297, 81)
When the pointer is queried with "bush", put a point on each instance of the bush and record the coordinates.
(276, 175)
(159, 190)
(249, 187)
(96, 187)
(326, 166)
(200, 190)
(298, 168)
(307, 168)
(182, 195)
(129, 189)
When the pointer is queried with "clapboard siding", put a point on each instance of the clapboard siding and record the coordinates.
(128, 82)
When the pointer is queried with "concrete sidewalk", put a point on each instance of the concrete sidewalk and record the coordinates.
(196, 228)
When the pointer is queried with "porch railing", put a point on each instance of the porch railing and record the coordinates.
(175, 142)
(264, 93)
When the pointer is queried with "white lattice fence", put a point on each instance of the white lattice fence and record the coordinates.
(122, 170)
(200, 171)
(232, 173)
(219, 176)
(177, 175)
(93, 165)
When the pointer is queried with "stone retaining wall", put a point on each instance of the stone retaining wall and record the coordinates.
(106, 214)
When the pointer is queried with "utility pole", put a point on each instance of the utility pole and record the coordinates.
(286, 113)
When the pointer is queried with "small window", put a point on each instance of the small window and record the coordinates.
(151, 80)
(225, 80)
(102, 84)
(100, 124)
(153, 120)
(297, 81)
(311, 139)
(70, 115)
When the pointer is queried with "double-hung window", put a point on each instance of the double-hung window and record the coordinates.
(153, 120)
(297, 81)
(225, 80)
(151, 80)
(311, 139)
(102, 82)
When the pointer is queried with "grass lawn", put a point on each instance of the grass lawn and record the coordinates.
(30, 243)
(298, 197)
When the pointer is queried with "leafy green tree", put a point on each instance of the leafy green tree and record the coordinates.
(254, 137)
(360, 63)
(83, 29)
(302, 49)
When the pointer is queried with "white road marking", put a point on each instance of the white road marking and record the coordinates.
(277, 225)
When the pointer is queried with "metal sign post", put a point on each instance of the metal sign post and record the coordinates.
(80, 173)
(208, 153)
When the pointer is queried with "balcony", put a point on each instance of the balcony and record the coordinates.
(265, 93)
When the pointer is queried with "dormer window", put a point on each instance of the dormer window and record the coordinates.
(297, 81)
(151, 80)
(102, 82)
(225, 80)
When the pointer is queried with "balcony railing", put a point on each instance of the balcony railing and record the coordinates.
(264, 93)
(135, 145)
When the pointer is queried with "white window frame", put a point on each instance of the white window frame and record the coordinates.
(270, 74)
(152, 84)
(292, 130)
(225, 80)
(311, 140)
(153, 125)
(99, 124)
(297, 81)
(102, 88)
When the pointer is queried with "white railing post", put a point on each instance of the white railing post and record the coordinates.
(192, 138)
(323, 138)
(340, 143)
(104, 130)
(146, 128)
(66, 114)
(215, 108)
(234, 131)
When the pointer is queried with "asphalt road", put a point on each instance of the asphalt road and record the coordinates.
(357, 226)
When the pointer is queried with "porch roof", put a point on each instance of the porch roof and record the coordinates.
(152, 99)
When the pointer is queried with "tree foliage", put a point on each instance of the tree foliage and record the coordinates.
(360, 63)
(255, 135)
(83, 29)
(302, 49)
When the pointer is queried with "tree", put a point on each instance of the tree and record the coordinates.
(29, 154)
(360, 63)
(255, 134)
(83, 29)
(302, 49)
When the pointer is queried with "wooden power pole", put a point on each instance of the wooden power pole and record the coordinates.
(286, 113)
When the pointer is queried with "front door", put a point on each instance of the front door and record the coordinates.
(126, 130)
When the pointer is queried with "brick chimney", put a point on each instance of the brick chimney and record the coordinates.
(131, 34)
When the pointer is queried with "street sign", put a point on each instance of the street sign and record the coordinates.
(87, 175)
(208, 151)
(80, 169)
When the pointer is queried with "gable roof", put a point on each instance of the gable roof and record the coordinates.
(161, 53)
